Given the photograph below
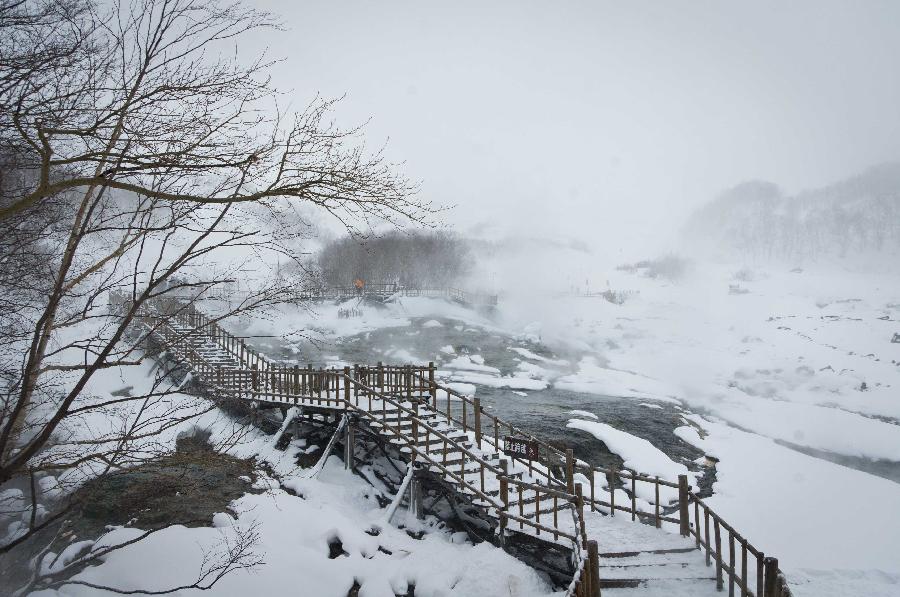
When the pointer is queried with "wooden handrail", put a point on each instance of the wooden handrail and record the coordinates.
(770, 581)
(269, 381)
(499, 424)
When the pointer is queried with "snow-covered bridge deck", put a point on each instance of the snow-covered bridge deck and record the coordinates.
(529, 488)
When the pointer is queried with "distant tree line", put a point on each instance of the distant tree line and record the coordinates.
(412, 259)
(860, 215)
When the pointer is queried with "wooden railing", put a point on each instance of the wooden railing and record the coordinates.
(368, 391)
(379, 290)
(490, 429)
(762, 578)
(631, 479)
(456, 294)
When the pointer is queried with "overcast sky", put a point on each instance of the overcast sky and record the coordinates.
(602, 120)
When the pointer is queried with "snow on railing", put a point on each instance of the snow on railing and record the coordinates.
(770, 581)
(368, 391)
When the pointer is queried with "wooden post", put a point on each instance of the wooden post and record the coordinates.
(408, 382)
(570, 470)
(594, 567)
(697, 522)
(733, 572)
(658, 521)
(504, 498)
(718, 552)
(320, 381)
(346, 387)
(579, 503)
(349, 440)
(477, 402)
(432, 388)
(420, 508)
(504, 483)
(771, 572)
(708, 544)
(412, 492)
(611, 481)
(633, 496)
(591, 481)
(760, 583)
(683, 511)
(380, 377)
(745, 592)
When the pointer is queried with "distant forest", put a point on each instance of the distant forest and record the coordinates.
(413, 259)
(860, 215)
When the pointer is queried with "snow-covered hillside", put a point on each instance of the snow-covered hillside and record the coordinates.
(788, 378)
(794, 384)
(757, 221)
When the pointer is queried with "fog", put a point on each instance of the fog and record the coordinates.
(604, 122)
(650, 267)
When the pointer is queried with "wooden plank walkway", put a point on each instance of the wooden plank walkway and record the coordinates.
(374, 291)
(450, 436)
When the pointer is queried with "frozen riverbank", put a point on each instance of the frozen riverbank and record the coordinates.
(801, 361)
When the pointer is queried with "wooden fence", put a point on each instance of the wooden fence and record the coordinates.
(374, 393)
(380, 291)
(769, 580)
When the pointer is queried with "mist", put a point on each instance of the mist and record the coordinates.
(601, 121)
(509, 298)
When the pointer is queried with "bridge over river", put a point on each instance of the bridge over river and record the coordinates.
(537, 501)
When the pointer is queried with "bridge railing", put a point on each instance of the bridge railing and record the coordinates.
(491, 430)
(634, 505)
(424, 432)
(585, 552)
(761, 578)
(456, 294)
(746, 568)
(586, 580)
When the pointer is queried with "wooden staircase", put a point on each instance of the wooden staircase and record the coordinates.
(466, 448)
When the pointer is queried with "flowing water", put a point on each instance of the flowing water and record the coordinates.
(543, 413)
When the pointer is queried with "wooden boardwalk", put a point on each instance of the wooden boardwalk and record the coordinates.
(527, 488)
(374, 291)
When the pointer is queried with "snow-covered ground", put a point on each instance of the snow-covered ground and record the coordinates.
(294, 537)
(788, 378)
(295, 519)
(791, 376)
(790, 373)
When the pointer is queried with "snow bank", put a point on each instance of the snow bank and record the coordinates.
(524, 352)
(471, 363)
(584, 414)
(591, 378)
(492, 381)
(809, 512)
(638, 454)
(294, 534)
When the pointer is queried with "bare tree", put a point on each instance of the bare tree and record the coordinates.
(136, 153)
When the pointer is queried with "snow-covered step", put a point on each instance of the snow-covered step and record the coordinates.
(679, 570)
(658, 588)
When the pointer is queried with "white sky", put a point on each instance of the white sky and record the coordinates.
(602, 120)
